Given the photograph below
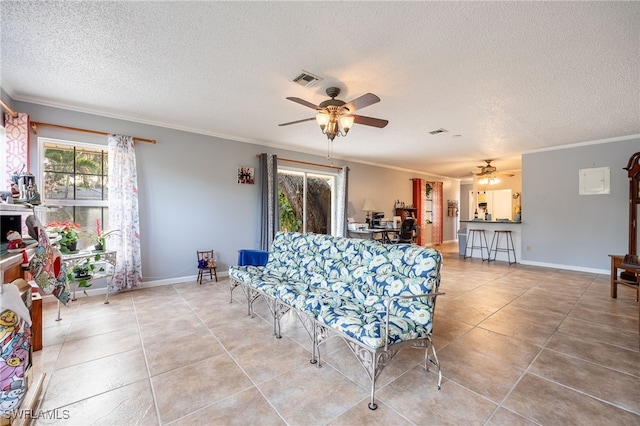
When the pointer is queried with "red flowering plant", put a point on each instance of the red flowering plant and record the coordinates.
(101, 237)
(69, 233)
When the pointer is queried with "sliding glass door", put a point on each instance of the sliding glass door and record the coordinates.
(306, 201)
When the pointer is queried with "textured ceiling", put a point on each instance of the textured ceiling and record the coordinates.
(507, 77)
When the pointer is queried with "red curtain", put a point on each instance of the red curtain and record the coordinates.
(436, 215)
(418, 196)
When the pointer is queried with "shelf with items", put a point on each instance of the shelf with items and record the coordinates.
(97, 264)
(428, 211)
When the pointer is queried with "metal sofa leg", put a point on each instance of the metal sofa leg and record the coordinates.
(320, 334)
(372, 405)
(315, 352)
(433, 361)
(278, 312)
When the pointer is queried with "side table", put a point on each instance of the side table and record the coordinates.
(74, 259)
(617, 263)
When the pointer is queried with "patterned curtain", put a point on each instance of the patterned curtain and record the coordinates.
(269, 219)
(123, 212)
(341, 200)
(17, 147)
(438, 207)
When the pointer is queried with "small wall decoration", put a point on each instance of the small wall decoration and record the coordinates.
(452, 207)
(246, 175)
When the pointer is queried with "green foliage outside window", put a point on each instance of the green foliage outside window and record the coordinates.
(74, 173)
(288, 220)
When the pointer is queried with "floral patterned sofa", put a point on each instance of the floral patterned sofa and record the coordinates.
(377, 297)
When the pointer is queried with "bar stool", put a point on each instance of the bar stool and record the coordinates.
(495, 246)
(471, 243)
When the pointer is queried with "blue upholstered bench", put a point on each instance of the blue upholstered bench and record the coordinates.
(377, 297)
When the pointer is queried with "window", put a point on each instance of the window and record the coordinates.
(306, 201)
(73, 184)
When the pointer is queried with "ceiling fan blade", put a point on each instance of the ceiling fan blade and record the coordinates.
(370, 121)
(303, 102)
(298, 121)
(361, 102)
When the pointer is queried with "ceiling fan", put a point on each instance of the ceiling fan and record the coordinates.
(489, 174)
(336, 117)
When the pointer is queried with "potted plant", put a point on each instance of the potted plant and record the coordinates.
(101, 237)
(68, 232)
(82, 273)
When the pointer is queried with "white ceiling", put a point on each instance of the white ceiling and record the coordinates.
(507, 77)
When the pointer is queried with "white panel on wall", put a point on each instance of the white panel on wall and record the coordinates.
(594, 181)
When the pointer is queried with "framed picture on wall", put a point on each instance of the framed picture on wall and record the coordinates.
(246, 175)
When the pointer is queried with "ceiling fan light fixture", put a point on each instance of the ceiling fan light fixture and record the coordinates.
(334, 122)
(335, 117)
(322, 118)
(346, 121)
(488, 180)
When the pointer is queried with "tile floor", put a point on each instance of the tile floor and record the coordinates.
(517, 345)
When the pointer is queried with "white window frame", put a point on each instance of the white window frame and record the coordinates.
(40, 174)
(42, 213)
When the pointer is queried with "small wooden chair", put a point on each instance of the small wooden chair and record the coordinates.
(206, 262)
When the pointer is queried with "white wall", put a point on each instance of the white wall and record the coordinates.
(561, 228)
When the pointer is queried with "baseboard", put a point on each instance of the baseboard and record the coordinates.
(566, 267)
(436, 245)
(145, 284)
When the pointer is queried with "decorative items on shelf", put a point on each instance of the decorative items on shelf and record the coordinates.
(401, 205)
(24, 189)
(517, 211)
(14, 240)
(452, 207)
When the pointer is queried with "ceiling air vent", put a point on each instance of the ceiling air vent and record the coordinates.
(440, 130)
(306, 79)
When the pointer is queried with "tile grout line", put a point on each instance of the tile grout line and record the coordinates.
(146, 361)
(254, 385)
(542, 348)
